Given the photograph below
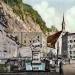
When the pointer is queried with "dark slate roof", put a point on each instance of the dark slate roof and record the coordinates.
(71, 34)
(52, 39)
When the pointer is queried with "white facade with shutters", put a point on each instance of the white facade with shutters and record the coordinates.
(71, 46)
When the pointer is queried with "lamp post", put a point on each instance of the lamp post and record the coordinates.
(70, 55)
(57, 51)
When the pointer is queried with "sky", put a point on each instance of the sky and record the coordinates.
(52, 12)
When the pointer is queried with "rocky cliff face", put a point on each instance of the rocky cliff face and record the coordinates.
(14, 23)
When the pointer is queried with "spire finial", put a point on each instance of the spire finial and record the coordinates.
(63, 23)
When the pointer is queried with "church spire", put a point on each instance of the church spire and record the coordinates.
(63, 24)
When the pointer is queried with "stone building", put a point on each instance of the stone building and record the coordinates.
(54, 42)
(71, 45)
(57, 41)
(28, 38)
(68, 45)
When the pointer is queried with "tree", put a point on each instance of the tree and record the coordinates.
(53, 28)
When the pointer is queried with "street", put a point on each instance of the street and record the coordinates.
(30, 73)
(69, 69)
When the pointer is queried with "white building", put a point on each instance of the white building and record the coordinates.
(36, 49)
(28, 38)
(25, 52)
(56, 41)
(71, 45)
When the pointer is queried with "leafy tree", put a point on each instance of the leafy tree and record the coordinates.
(53, 28)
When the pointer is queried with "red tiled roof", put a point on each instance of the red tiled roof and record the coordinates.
(51, 40)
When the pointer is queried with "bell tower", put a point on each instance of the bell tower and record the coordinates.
(64, 50)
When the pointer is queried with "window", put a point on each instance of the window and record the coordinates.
(71, 41)
(16, 38)
(35, 68)
(74, 46)
(35, 54)
(25, 45)
(35, 59)
(71, 57)
(74, 52)
(0, 30)
(30, 41)
(38, 40)
(33, 41)
(73, 36)
(68, 41)
(8, 42)
(70, 52)
(70, 46)
(74, 40)
(38, 36)
(24, 41)
(5, 51)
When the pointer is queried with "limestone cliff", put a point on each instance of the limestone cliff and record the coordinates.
(14, 23)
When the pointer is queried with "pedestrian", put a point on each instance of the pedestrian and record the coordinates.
(69, 60)
(61, 68)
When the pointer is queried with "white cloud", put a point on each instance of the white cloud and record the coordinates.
(48, 14)
(70, 19)
(52, 16)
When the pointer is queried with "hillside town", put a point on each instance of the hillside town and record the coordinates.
(22, 51)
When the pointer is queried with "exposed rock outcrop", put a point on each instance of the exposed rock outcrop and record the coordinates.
(15, 24)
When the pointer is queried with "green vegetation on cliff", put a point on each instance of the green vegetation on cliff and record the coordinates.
(24, 10)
